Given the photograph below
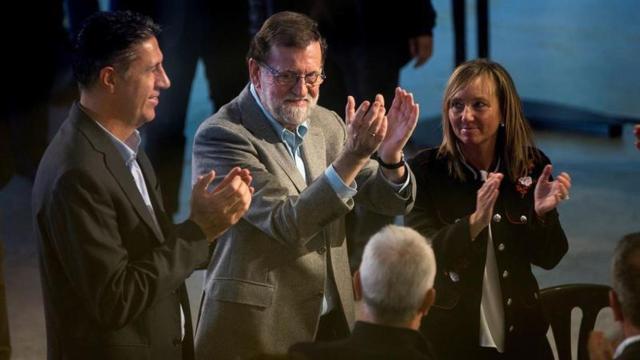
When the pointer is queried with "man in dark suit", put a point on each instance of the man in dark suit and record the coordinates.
(112, 264)
(395, 287)
(624, 300)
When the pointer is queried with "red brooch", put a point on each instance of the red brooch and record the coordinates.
(523, 185)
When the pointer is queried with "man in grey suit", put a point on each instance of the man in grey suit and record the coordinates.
(112, 263)
(281, 274)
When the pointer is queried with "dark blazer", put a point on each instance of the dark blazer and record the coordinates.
(442, 210)
(112, 281)
(631, 352)
(370, 341)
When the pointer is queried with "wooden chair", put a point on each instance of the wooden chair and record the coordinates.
(558, 302)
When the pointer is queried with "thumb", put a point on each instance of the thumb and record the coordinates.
(546, 173)
(350, 109)
(203, 181)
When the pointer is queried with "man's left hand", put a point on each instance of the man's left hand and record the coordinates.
(401, 121)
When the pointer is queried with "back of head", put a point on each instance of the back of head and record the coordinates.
(398, 268)
(285, 29)
(108, 39)
(626, 277)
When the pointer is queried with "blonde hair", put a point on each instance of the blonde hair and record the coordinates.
(515, 143)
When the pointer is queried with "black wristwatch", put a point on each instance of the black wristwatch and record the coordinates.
(393, 166)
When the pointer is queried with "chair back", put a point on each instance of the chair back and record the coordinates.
(558, 302)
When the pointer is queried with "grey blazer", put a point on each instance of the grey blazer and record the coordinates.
(266, 278)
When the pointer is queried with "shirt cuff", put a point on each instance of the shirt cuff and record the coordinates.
(399, 187)
(344, 191)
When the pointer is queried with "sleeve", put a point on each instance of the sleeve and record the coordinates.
(84, 231)
(451, 242)
(290, 219)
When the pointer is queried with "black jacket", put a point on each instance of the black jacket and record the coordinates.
(112, 281)
(370, 341)
(441, 213)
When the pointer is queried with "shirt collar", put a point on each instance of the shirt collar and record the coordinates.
(624, 344)
(477, 174)
(128, 149)
(289, 137)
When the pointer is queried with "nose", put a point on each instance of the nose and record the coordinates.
(467, 113)
(162, 79)
(300, 87)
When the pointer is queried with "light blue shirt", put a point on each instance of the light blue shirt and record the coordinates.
(293, 141)
(129, 152)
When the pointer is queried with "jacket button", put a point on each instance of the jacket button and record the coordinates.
(501, 247)
(322, 250)
(176, 341)
(509, 301)
(505, 274)
(535, 295)
(511, 328)
(456, 221)
(497, 218)
(454, 276)
(523, 219)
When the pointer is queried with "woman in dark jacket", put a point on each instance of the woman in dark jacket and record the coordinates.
(487, 200)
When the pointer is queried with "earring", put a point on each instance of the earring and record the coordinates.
(502, 125)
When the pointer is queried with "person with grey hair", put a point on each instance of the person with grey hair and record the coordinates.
(394, 285)
(624, 300)
(281, 274)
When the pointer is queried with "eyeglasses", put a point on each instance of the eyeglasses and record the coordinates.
(290, 78)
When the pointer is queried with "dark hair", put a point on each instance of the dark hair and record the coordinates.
(288, 29)
(108, 38)
(626, 276)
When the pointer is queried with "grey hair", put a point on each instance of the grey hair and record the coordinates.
(398, 268)
(626, 276)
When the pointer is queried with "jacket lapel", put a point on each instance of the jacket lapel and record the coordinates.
(314, 152)
(256, 122)
(116, 166)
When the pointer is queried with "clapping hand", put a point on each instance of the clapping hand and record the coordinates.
(402, 120)
(485, 201)
(366, 127)
(215, 211)
(548, 194)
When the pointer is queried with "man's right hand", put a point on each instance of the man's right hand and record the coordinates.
(215, 211)
(366, 128)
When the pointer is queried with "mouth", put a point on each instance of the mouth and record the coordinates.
(155, 99)
(297, 102)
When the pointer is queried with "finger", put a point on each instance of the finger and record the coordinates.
(565, 176)
(564, 181)
(203, 181)
(377, 116)
(350, 109)
(382, 129)
(380, 99)
(359, 117)
(232, 174)
(230, 183)
(396, 104)
(546, 173)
